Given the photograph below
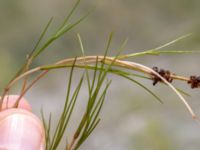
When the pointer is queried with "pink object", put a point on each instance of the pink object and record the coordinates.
(19, 128)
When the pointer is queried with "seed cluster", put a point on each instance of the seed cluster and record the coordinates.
(194, 81)
(164, 73)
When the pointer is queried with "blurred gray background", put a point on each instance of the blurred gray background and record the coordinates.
(131, 118)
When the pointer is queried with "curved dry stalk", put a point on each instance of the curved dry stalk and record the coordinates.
(28, 87)
(26, 78)
(107, 60)
(89, 60)
(172, 87)
(71, 144)
(180, 77)
(12, 82)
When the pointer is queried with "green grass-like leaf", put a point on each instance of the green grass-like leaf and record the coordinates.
(47, 127)
(66, 113)
(158, 51)
(64, 28)
(93, 119)
(90, 118)
(83, 53)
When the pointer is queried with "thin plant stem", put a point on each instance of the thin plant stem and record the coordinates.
(28, 87)
(90, 60)
(71, 144)
(107, 60)
(26, 78)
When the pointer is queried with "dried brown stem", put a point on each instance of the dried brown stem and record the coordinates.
(71, 144)
(107, 60)
(29, 61)
(28, 87)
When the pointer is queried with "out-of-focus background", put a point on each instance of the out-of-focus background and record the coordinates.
(131, 118)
